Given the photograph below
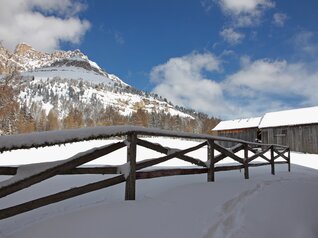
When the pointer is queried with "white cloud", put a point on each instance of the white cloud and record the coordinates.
(279, 19)
(231, 36)
(306, 43)
(245, 12)
(257, 87)
(182, 81)
(42, 24)
(265, 85)
(245, 6)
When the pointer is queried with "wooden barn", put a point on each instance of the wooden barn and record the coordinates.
(245, 129)
(296, 128)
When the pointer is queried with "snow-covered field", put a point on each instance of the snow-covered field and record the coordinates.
(283, 205)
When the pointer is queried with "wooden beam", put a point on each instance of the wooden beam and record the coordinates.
(81, 170)
(165, 150)
(246, 172)
(169, 172)
(234, 150)
(260, 154)
(175, 172)
(272, 161)
(281, 162)
(92, 170)
(151, 162)
(258, 164)
(228, 168)
(228, 153)
(8, 170)
(211, 171)
(130, 189)
(57, 197)
(281, 154)
(238, 167)
(67, 165)
(288, 160)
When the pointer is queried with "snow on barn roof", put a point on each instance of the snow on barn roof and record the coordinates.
(300, 116)
(238, 124)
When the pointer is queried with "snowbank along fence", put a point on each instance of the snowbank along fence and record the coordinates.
(132, 170)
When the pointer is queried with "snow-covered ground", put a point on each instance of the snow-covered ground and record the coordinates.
(283, 205)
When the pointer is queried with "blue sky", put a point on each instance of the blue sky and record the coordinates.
(227, 58)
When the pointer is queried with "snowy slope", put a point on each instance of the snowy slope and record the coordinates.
(69, 72)
(283, 205)
(81, 88)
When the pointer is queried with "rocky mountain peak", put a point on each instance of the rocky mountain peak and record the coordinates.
(22, 49)
(3, 50)
(4, 55)
(26, 58)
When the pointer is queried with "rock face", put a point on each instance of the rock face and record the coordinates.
(22, 49)
(26, 58)
(22, 59)
(4, 61)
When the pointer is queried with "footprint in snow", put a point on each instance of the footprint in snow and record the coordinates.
(231, 214)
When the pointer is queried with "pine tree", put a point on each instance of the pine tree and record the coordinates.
(139, 118)
(25, 124)
(52, 121)
(9, 109)
(74, 119)
(40, 121)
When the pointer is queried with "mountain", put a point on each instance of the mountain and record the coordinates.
(79, 93)
(57, 64)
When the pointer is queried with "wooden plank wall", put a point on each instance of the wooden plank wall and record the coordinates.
(302, 138)
(249, 134)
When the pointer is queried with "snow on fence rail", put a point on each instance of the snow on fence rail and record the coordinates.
(25, 176)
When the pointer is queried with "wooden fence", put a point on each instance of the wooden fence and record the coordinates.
(130, 172)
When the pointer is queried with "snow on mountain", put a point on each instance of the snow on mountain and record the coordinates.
(69, 78)
(68, 72)
(32, 62)
(52, 91)
(26, 58)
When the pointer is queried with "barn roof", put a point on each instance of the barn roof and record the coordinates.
(300, 116)
(238, 124)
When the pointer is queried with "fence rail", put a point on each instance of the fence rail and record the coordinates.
(130, 172)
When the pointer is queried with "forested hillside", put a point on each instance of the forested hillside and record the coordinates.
(29, 105)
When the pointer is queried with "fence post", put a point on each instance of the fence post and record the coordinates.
(246, 172)
(130, 191)
(288, 160)
(272, 160)
(211, 171)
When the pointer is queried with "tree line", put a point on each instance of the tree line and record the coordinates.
(67, 111)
